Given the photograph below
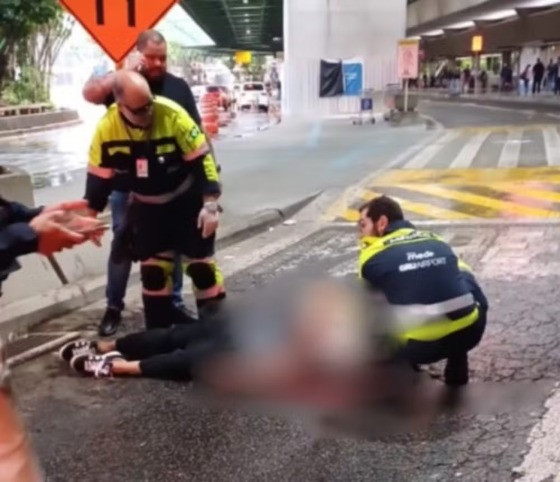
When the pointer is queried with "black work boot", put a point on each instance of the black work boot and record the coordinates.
(212, 308)
(160, 312)
(110, 322)
(457, 370)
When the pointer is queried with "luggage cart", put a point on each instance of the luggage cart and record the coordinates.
(365, 114)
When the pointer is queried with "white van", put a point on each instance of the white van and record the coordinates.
(254, 95)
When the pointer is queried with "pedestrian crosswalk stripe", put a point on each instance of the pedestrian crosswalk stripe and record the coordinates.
(463, 148)
(552, 146)
(425, 156)
(470, 150)
(511, 151)
(427, 210)
(505, 207)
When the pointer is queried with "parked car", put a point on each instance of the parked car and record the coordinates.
(254, 95)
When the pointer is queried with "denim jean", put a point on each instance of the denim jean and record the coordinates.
(118, 274)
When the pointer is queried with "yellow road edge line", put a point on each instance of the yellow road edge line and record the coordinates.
(478, 200)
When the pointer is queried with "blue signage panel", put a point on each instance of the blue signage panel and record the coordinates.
(353, 78)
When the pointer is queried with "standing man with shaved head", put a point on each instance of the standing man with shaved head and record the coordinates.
(152, 64)
(163, 157)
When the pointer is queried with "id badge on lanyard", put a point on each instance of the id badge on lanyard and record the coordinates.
(142, 170)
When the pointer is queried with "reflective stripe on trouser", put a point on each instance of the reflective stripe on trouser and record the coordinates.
(157, 290)
(207, 280)
(437, 330)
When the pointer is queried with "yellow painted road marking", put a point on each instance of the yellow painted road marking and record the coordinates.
(539, 183)
(422, 208)
(337, 207)
(351, 215)
(524, 190)
(464, 176)
(504, 206)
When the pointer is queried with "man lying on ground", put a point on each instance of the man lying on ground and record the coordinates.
(314, 344)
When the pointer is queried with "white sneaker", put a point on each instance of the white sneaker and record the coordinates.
(75, 348)
(97, 366)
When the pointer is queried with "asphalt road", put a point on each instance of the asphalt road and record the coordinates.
(262, 169)
(146, 430)
(455, 115)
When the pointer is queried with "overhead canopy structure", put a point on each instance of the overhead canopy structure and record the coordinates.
(180, 28)
(528, 23)
(433, 18)
(255, 25)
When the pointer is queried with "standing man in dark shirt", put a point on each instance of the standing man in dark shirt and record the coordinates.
(538, 75)
(152, 64)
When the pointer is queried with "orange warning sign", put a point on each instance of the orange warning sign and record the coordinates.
(116, 24)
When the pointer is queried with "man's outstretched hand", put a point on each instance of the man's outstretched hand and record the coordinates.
(52, 234)
(80, 206)
(58, 230)
(80, 218)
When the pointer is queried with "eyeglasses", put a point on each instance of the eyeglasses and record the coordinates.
(143, 110)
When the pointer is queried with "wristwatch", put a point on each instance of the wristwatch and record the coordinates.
(212, 207)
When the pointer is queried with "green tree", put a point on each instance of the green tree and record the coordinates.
(31, 33)
(186, 59)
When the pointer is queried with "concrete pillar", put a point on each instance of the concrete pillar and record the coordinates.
(338, 29)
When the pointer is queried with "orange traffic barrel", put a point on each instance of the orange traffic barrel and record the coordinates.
(209, 114)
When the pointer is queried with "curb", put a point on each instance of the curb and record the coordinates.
(35, 130)
(42, 349)
(18, 317)
(471, 223)
(262, 221)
